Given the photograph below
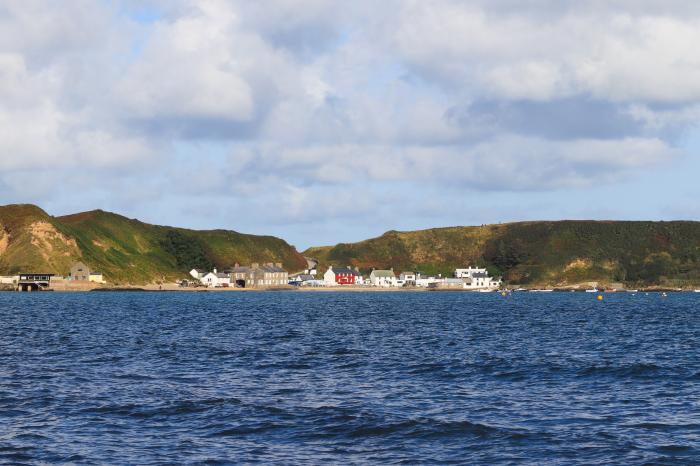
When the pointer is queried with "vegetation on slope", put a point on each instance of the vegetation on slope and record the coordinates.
(554, 253)
(126, 250)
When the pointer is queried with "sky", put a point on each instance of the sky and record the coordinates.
(325, 121)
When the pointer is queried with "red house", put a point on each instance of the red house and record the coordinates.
(342, 276)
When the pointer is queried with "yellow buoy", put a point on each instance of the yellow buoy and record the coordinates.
(600, 297)
(503, 293)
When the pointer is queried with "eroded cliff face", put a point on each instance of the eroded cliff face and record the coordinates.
(50, 242)
(4, 240)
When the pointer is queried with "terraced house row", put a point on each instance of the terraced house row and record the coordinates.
(254, 276)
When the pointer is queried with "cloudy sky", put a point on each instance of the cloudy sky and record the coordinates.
(326, 121)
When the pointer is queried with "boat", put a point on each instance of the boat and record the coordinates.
(541, 291)
(594, 290)
(696, 291)
(631, 291)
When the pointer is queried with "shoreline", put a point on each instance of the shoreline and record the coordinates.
(337, 289)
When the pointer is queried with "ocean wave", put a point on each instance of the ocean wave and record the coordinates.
(626, 370)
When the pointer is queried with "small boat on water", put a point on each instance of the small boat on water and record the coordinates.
(541, 291)
(593, 290)
(631, 291)
(696, 291)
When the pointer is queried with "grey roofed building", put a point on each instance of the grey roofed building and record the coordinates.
(272, 268)
(269, 274)
(238, 269)
(301, 278)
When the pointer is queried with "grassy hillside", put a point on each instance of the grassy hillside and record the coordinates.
(126, 250)
(554, 253)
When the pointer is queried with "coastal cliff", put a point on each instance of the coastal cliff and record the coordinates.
(125, 250)
(556, 253)
(553, 253)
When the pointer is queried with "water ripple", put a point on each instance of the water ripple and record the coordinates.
(346, 378)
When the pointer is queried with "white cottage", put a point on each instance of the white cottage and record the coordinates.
(477, 278)
(383, 278)
(215, 279)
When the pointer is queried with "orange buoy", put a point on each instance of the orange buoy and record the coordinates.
(600, 297)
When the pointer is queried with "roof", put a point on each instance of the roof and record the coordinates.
(480, 275)
(344, 270)
(239, 270)
(271, 268)
(218, 275)
(383, 273)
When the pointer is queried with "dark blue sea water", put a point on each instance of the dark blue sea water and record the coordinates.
(219, 378)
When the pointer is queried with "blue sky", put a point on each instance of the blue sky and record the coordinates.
(323, 121)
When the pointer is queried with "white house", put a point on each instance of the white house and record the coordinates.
(425, 282)
(382, 278)
(198, 274)
(97, 277)
(216, 280)
(9, 280)
(468, 272)
(477, 278)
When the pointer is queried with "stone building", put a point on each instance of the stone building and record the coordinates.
(80, 272)
(256, 276)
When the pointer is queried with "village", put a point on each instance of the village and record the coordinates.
(268, 276)
(272, 275)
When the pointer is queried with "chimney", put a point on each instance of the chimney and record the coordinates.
(236, 265)
(215, 271)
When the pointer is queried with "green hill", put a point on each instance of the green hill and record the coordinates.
(536, 253)
(126, 250)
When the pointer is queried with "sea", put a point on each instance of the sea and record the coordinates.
(350, 378)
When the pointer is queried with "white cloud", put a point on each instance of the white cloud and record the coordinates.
(323, 95)
(604, 51)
